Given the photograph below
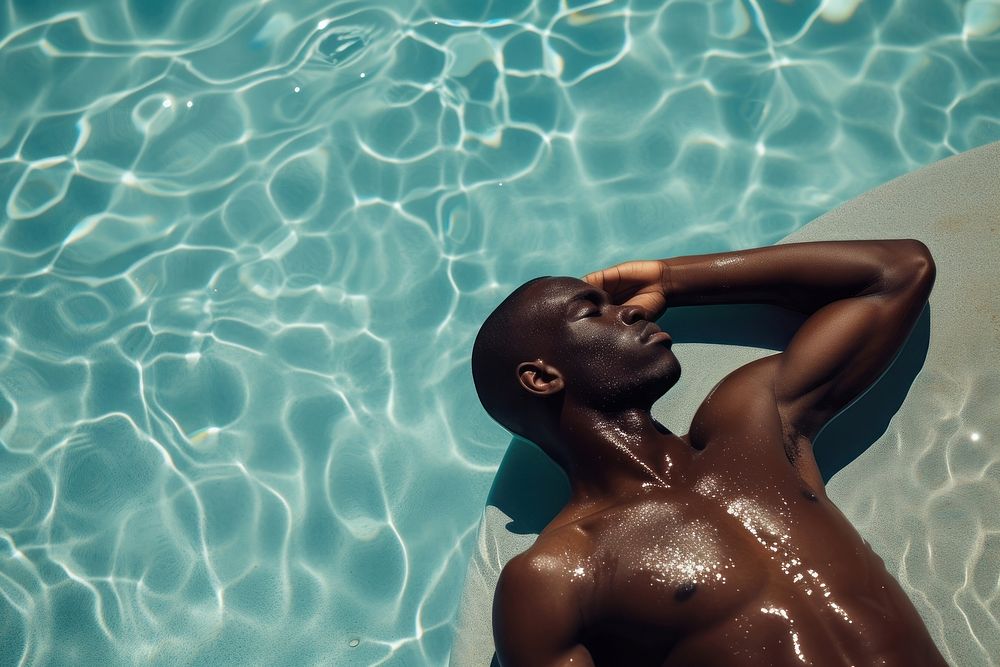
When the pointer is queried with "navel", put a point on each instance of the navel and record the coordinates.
(808, 493)
(685, 591)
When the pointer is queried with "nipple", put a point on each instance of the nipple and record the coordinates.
(685, 591)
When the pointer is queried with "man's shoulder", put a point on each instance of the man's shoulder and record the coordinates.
(540, 603)
(543, 582)
(564, 543)
(559, 555)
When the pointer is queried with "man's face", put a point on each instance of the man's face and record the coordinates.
(608, 354)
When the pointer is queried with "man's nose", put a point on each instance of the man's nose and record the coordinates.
(631, 314)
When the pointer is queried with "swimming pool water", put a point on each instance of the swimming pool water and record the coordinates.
(246, 246)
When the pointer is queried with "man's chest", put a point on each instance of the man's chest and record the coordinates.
(666, 566)
(695, 560)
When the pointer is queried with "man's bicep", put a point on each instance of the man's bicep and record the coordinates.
(536, 620)
(843, 348)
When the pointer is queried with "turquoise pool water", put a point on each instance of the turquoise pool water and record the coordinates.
(246, 246)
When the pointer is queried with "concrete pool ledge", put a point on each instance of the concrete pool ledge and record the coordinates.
(914, 463)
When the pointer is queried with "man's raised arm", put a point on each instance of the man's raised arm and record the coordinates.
(862, 298)
(800, 276)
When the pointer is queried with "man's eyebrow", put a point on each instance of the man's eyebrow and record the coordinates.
(593, 293)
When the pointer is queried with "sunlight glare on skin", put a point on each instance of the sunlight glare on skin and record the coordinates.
(777, 611)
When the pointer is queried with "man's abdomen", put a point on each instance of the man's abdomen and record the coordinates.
(780, 628)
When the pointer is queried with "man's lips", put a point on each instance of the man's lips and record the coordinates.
(653, 334)
(660, 337)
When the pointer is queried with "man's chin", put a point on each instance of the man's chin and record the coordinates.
(664, 380)
(672, 375)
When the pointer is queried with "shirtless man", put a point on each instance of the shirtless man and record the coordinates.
(719, 547)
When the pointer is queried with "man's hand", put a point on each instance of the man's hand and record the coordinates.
(641, 283)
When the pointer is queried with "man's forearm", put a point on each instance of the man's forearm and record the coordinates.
(800, 276)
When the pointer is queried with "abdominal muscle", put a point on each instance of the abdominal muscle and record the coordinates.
(779, 627)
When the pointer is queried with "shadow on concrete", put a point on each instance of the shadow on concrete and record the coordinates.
(531, 489)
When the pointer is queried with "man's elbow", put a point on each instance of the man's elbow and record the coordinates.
(911, 263)
(925, 267)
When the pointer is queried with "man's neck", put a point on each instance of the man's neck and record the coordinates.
(613, 455)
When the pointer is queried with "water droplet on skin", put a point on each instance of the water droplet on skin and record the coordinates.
(685, 591)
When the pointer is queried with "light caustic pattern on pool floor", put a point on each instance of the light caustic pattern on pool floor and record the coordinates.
(246, 247)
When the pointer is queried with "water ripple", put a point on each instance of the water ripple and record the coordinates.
(245, 248)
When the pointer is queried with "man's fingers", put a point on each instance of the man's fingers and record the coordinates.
(606, 279)
(613, 279)
(622, 281)
(595, 278)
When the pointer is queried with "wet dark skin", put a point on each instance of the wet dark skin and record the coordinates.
(718, 547)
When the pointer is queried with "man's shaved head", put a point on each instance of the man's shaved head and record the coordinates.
(508, 336)
(559, 339)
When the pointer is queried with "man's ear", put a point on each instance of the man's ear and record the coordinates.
(539, 378)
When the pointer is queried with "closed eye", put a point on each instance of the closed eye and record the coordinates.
(591, 310)
(589, 303)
